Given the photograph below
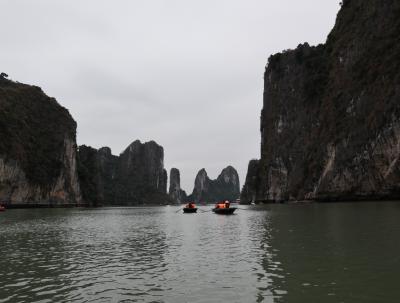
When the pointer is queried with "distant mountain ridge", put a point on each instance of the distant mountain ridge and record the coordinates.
(225, 187)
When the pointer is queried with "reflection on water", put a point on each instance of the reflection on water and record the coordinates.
(278, 253)
(335, 252)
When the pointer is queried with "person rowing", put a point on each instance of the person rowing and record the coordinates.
(190, 208)
(224, 208)
(225, 204)
(190, 205)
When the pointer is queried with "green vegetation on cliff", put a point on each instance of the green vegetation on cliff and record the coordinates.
(33, 128)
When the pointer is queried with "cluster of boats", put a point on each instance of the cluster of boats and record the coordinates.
(221, 208)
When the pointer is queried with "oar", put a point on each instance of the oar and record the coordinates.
(179, 210)
(205, 211)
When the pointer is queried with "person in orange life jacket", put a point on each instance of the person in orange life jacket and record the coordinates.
(191, 205)
(225, 204)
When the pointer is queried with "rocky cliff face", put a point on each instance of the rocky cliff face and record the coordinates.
(97, 171)
(330, 125)
(249, 194)
(141, 174)
(137, 176)
(37, 148)
(225, 187)
(177, 195)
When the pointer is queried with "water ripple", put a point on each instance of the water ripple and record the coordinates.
(157, 255)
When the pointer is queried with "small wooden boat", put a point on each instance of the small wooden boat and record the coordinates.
(224, 211)
(224, 208)
(188, 210)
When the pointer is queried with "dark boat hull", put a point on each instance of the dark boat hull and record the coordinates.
(190, 210)
(224, 211)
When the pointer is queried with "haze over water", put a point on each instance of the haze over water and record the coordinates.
(277, 253)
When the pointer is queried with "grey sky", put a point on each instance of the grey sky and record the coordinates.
(185, 73)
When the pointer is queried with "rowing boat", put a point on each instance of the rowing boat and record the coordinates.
(224, 211)
(188, 210)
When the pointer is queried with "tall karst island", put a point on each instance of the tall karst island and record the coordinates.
(330, 126)
(136, 176)
(225, 187)
(38, 163)
(176, 193)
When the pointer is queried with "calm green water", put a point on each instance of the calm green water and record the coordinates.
(279, 253)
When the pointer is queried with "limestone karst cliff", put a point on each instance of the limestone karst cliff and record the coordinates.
(97, 171)
(141, 174)
(176, 193)
(330, 125)
(249, 193)
(225, 187)
(136, 176)
(37, 148)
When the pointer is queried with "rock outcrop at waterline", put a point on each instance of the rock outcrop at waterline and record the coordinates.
(249, 194)
(330, 127)
(225, 187)
(37, 148)
(136, 176)
(177, 195)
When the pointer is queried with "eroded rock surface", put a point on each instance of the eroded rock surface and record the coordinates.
(225, 187)
(176, 193)
(37, 148)
(135, 177)
(330, 120)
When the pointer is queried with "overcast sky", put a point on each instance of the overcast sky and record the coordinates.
(185, 73)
